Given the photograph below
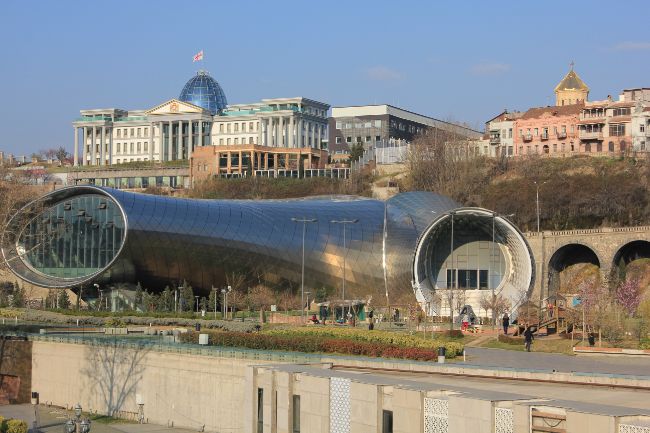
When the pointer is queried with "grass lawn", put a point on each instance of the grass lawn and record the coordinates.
(539, 345)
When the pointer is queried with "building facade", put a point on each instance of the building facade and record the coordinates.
(200, 117)
(548, 131)
(372, 125)
(501, 131)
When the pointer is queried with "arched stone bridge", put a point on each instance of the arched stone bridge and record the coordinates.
(604, 247)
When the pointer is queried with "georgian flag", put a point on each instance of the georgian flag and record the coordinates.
(198, 56)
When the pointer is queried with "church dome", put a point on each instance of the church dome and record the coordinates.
(204, 91)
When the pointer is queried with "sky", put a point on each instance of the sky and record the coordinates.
(458, 60)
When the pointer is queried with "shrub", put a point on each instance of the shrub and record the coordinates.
(16, 426)
(3, 424)
(316, 343)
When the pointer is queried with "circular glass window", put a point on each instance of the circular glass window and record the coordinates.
(74, 238)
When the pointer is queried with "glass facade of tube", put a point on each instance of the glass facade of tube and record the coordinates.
(74, 238)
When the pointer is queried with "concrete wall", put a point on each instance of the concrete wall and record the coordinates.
(183, 389)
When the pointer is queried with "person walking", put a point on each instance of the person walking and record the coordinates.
(528, 338)
(506, 323)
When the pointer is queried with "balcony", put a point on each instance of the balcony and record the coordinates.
(528, 137)
(495, 140)
(561, 135)
(591, 135)
(544, 136)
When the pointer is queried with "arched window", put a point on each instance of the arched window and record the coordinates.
(623, 145)
(611, 146)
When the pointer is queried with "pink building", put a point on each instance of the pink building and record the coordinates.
(548, 131)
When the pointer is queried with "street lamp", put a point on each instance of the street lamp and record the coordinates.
(537, 185)
(345, 251)
(197, 303)
(304, 222)
(223, 307)
(215, 302)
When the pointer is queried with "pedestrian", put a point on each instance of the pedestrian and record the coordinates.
(506, 323)
(528, 337)
(465, 322)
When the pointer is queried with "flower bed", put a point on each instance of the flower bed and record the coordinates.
(320, 344)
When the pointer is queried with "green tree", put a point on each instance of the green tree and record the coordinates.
(63, 300)
(50, 301)
(204, 303)
(18, 297)
(166, 301)
(356, 152)
(138, 297)
(187, 297)
(213, 300)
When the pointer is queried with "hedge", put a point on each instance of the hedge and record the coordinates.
(317, 344)
(379, 337)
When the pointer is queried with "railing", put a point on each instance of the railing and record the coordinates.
(528, 137)
(544, 136)
(495, 140)
(586, 135)
(561, 135)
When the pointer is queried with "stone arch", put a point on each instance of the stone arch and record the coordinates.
(568, 255)
(630, 251)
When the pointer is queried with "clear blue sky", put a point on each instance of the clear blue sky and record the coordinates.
(455, 60)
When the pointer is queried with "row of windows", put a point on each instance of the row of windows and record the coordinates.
(358, 139)
(229, 141)
(130, 148)
(358, 125)
(131, 132)
(545, 131)
(405, 127)
(237, 126)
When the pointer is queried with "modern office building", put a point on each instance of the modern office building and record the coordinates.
(414, 243)
(372, 125)
(200, 117)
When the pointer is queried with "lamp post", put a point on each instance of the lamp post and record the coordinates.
(541, 274)
(223, 307)
(304, 222)
(227, 292)
(197, 303)
(344, 223)
(215, 302)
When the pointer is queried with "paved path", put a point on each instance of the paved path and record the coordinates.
(52, 420)
(628, 364)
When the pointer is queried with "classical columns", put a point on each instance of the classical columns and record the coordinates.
(93, 148)
(190, 144)
(281, 127)
(299, 132)
(151, 141)
(200, 132)
(84, 146)
(292, 131)
(76, 146)
(179, 141)
(102, 146)
(110, 146)
(169, 140)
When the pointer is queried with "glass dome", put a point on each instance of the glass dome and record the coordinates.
(204, 91)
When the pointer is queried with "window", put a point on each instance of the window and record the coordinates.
(131, 148)
(221, 127)
(510, 133)
(641, 128)
(536, 132)
(243, 127)
(338, 139)
(221, 142)
(295, 414)
(236, 127)
(118, 160)
(368, 138)
(260, 410)
(236, 140)
(119, 147)
(146, 146)
(250, 140)
(228, 127)
(367, 125)
(617, 129)
(139, 147)
(146, 132)
(387, 421)
(377, 123)
(228, 142)
(621, 111)
(348, 139)
(521, 132)
(358, 139)
(610, 146)
(339, 125)
(119, 133)
(377, 137)
(139, 132)
(132, 132)
(250, 126)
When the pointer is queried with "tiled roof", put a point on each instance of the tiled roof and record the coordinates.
(571, 81)
(562, 110)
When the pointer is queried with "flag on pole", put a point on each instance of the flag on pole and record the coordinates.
(198, 56)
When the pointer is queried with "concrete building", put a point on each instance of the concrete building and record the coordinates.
(200, 117)
(372, 125)
(501, 131)
(548, 131)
